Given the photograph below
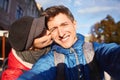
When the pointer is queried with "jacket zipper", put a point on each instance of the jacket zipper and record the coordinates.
(77, 63)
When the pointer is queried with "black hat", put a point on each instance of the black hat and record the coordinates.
(24, 30)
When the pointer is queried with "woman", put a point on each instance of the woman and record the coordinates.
(29, 40)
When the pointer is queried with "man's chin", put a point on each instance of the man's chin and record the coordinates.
(66, 46)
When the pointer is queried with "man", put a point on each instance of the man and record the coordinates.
(29, 40)
(62, 25)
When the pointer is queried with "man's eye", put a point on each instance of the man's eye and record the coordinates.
(64, 24)
(53, 29)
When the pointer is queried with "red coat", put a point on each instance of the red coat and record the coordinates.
(15, 67)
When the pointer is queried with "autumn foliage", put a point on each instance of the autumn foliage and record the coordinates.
(107, 30)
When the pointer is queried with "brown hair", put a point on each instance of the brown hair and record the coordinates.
(52, 11)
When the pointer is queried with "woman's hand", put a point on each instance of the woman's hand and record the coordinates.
(43, 41)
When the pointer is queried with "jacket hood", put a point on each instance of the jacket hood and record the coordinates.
(77, 44)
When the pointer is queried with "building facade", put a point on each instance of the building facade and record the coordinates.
(11, 10)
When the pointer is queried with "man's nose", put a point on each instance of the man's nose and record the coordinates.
(60, 31)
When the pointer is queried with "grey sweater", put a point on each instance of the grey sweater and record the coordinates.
(32, 56)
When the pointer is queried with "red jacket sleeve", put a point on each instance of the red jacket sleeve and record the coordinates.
(15, 68)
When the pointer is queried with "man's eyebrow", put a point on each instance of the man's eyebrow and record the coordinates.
(64, 23)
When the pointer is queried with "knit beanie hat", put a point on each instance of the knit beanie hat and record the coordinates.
(24, 30)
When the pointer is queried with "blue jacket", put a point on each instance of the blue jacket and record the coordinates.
(107, 56)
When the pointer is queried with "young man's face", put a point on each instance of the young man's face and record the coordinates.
(63, 30)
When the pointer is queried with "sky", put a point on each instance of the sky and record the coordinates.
(87, 12)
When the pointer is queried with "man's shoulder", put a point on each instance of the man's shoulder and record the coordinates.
(47, 57)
